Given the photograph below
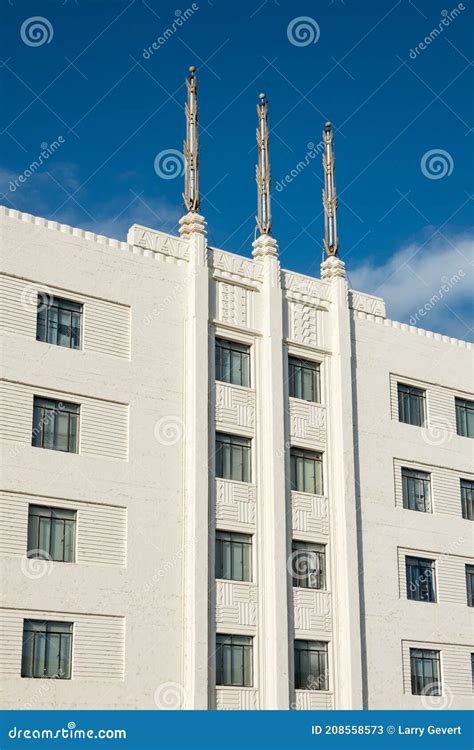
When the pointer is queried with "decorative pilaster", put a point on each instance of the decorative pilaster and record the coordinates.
(195, 666)
(341, 484)
(272, 500)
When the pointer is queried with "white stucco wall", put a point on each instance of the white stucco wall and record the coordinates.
(143, 482)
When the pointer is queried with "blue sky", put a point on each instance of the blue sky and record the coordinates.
(402, 113)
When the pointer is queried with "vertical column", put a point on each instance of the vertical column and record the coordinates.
(273, 588)
(196, 456)
(347, 678)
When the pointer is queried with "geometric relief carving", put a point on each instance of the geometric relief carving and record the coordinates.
(236, 603)
(235, 407)
(310, 513)
(307, 421)
(236, 699)
(235, 501)
(233, 304)
(312, 609)
(367, 303)
(303, 325)
(309, 700)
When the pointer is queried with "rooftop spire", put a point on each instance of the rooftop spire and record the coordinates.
(331, 240)
(264, 215)
(191, 195)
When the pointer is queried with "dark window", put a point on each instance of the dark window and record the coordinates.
(311, 665)
(411, 405)
(46, 649)
(234, 660)
(58, 321)
(304, 380)
(309, 565)
(51, 533)
(420, 574)
(232, 457)
(467, 496)
(464, 417)
(306, 471)
(416, 490)
(470, 585)
(55, 425)
(233, 556)
(425, 672)
(232, 362)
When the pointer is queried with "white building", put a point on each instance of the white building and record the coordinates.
(225, 484)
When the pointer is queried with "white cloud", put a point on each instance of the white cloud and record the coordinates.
(426, 284)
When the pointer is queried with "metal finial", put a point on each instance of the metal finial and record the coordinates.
(264, 213)
(331, 240)
(191, 195)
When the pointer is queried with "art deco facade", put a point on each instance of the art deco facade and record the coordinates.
(224, 484)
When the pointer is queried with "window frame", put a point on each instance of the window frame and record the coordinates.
(301, 675)
(53, 514)
(467, 499)
(464, 425)
(416, 476)
(302, 454)
(469, 572)
(235, 348)
(45, 325)
(234, 442)
(405, 393)
(50, 629)
(297, 366)
(302, 577)
(428, 586)
(47, 409)
(422, 656)
(236, 644)
(236, 539)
